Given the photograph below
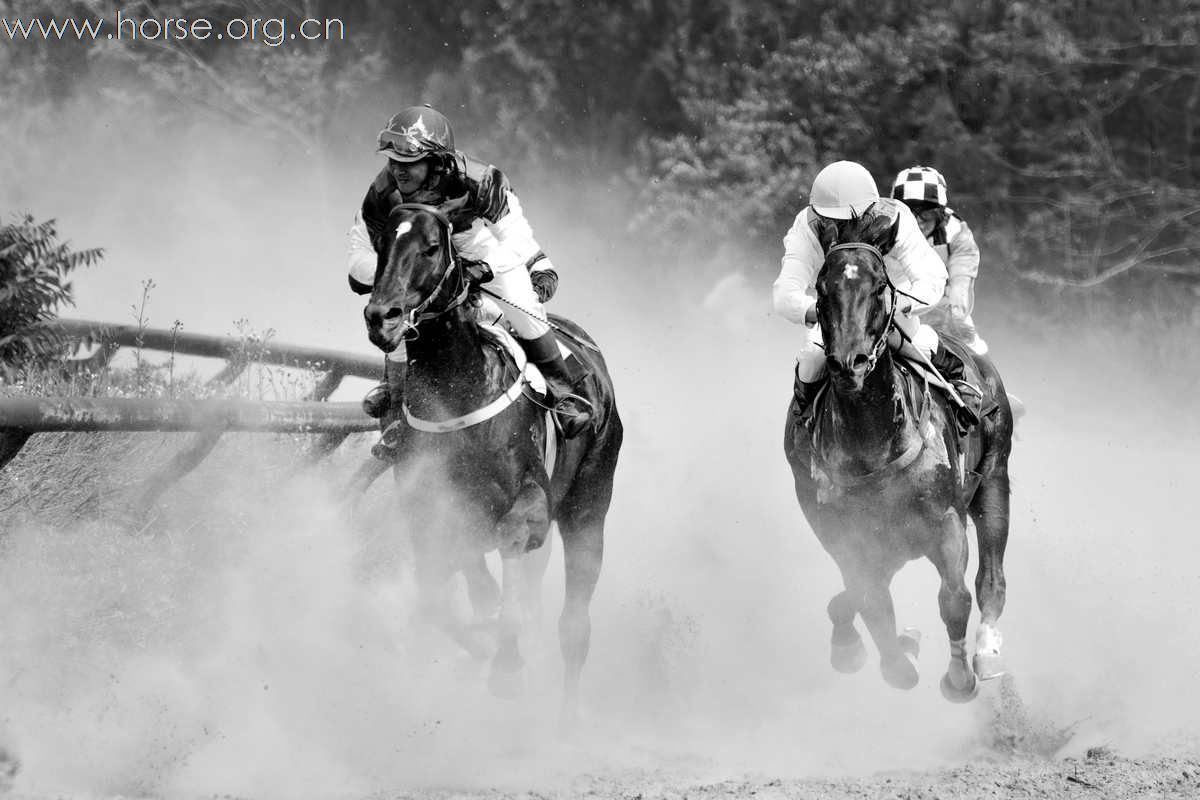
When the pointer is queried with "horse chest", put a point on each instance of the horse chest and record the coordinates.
(918, 488)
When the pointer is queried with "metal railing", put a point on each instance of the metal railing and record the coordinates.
(22, 417)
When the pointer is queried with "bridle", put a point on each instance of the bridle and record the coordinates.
(451, 266)
(881, 342)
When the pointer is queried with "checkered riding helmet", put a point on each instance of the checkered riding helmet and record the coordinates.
(416, 133)
(923, 185)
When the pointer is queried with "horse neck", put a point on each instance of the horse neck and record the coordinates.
(876, 413)
(449, 369)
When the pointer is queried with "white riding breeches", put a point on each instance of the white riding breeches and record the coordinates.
(810, 361)
(511, 280)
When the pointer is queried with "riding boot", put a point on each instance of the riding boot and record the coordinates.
(395, 428)
(563, 380)
(952, 368)
(375, 403)
(805, 393)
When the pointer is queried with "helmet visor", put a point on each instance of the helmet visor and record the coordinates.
(401, 147)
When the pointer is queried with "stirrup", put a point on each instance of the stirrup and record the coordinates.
(388, 446)
(377, 401)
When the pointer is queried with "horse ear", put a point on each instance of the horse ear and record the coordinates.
(827, 233)
(880, 231)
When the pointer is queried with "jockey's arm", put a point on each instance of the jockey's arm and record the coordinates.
(368, 226)
(921, 274)
(963, 267)
(514, 243)
(790, 294)
(363, 258)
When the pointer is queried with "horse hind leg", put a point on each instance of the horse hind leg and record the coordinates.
(990, 510)
(959, 684)
(583, 554)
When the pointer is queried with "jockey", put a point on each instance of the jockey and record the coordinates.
(923, 190)
(423, 167)
(842, 191)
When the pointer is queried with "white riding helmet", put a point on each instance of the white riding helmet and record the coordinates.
(920, 184)
(842, 190)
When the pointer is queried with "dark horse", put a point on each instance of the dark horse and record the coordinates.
(486, 486)
(883, 476)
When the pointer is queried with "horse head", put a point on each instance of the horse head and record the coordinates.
(418, 276)
(855, 299)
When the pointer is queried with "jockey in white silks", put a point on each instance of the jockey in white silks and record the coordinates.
(424, 167)
(841, 191)
(923, 190)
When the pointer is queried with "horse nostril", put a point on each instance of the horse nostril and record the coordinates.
(375, 315)
(860, 360)
(393, 313)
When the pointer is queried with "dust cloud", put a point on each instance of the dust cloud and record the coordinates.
(263, 643)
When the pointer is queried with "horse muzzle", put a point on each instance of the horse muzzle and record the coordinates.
(852, 369)
(387, 326)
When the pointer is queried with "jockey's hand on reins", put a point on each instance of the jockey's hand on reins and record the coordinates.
(477, 272)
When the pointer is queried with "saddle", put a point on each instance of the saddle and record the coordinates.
(969, 442)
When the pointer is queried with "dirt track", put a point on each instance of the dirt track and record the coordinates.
(1102, 775)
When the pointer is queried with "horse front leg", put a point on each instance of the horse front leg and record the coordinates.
(527, 520)
(897, 654)
(534, 567)
(482, 590)
(866, 578)
(433, 572)
(958, 684)
(847, 653)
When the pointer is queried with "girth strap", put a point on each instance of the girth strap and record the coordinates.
(479, 415)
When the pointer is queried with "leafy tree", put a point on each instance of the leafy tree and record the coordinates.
(35, 270)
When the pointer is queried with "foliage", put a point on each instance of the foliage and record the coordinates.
(35, 270)
(1060, 132)
(1067, 128)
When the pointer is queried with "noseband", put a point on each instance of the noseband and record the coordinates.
(421, 313)
(881, 342)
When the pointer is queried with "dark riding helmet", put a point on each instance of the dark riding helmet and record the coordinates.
(415, 133)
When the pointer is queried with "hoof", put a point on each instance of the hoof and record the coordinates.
(901, 673)
(848, 657)
(988, 666)
(987, 662)
(956, 695)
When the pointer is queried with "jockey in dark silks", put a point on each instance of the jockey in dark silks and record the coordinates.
(841, 191)
(489, 226)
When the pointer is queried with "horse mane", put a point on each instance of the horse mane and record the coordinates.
(872, 227)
